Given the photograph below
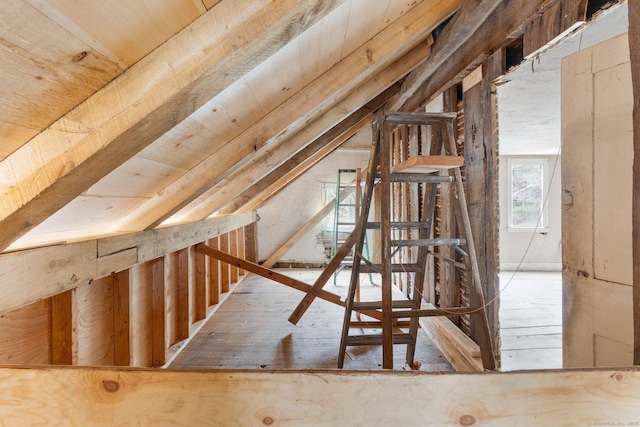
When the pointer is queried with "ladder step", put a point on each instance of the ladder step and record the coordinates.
(377, 305)
(428, 164)
(395, 268)
(420, 177)
(376, 225)
(429, 242)
(346, 223)
(430, 312)
(418, 118)
(376, 339)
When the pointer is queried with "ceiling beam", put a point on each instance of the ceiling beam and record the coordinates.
(288, 157)
(480, 26)
(294, 114)
(148, 100)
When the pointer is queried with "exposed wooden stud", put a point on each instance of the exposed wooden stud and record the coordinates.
(158, 310)
(31, 275)
(214, 275)
(121, 318)
(138, 110)
(241, 254)
(184, 321)
(64, 350)
(172, 279)
(200, 286)
(634, 42)
(225, 268)
(233, 250)
(251, 242)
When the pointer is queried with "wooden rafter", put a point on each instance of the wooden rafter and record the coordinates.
(387, 48)
(478, 27)
(134, 110)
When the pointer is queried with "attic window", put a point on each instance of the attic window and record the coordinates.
(527, 181)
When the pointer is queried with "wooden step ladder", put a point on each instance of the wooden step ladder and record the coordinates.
(427, 172)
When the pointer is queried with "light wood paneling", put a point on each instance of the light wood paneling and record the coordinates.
(64, 329)
(95, 323)
(26, 335)
(141, 310)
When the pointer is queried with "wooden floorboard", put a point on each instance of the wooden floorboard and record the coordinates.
(250, 331)
(531, 320)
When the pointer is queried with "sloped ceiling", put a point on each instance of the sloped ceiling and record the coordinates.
(118, 116)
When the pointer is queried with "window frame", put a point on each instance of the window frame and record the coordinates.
(511, 161)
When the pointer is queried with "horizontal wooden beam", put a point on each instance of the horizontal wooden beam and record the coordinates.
(141, 105)
(31, 275)
(108, 396)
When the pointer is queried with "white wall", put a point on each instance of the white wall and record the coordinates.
(294, 206)
(526, 250)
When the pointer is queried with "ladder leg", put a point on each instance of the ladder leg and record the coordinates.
(484, 336)
(385, 231)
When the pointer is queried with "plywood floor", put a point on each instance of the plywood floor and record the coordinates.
(531, 320)
(250, 331)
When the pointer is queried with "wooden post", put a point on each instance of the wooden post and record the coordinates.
(183, 294)
(481, 162)
(158, 324)
(634, 43)
(225, 271)
(172, 284)
(233, 250)
(251, 242)
(241, 253)
(214, 275)
(64, 350)
(200, 286)
(121, 319)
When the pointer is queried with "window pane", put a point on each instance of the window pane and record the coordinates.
(526, 195)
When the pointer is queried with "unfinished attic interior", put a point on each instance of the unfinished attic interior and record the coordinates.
(253, 212)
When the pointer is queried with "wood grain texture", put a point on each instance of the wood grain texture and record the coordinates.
(252, 149)
(555, 21)
(95, 323)
(26, 335)
(131, 112)
(477, 27)
(634, 41)
(114, 397)
(30, 275)
(64, 330)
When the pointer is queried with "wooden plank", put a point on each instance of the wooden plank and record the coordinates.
(457, 348)
(297, 112)
(136, 110)
(308, 157)
(225, 268)
(141, 312)
(94, 323)
(251, 242)
(183, 294)
(428, 164)
(200, 286)
(107, 396)
(554, 23)
(121, 318)
(479, 26)
(265, 272)
(326, 274)
(26, 336)
(64, 350)
(214, 275)
(634, 40)
(158, 313)
(241, 253)
(172, 294)
(233, 250)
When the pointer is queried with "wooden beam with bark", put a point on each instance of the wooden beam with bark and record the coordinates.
(134, 110)
(479, 26)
